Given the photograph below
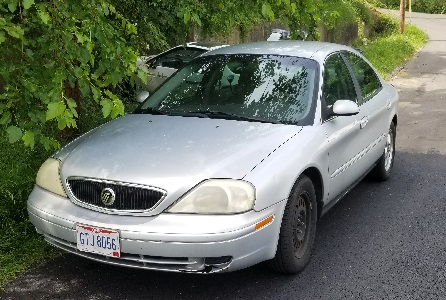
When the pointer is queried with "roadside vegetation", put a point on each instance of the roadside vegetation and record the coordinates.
(425, 6)
(20, 246)
(49, 97)
(389, 50)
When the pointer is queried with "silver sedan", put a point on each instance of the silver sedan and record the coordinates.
(231, 162)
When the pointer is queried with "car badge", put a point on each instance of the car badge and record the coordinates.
(108, 196)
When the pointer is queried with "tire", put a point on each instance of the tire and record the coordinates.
(383, 168)
(298, 229)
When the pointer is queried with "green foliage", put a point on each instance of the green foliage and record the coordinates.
(391, 51)
(302, 15)
(429, 6)
(385, 25)
(162, 23)
(50, 49)
(426, 6)
(336, 13)
(363, 10)
(20, 246)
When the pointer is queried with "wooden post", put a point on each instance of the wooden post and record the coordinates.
(403, 14)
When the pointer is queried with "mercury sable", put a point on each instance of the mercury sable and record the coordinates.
(229, 163)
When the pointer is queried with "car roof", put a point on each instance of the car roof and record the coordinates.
(305, 49)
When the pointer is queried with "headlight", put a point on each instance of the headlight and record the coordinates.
(217, 196)
(48, 177)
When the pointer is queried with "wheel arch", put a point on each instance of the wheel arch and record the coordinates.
(395, 120)
(316, 178)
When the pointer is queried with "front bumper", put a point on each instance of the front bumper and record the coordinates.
(168, 242)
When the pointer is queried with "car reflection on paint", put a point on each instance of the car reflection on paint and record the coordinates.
(229, 163)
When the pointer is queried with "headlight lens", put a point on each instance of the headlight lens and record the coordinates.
(217, 196)
(48, 177)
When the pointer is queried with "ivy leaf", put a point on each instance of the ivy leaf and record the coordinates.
(85, 90)
(28, 139)
(71, 103)
(96, 93)
(16, 32)
(12, 5)
(44, 16)
(14, 133)
(117, 105)
(106, 107)
(55, 109)
(143, 76)
(81, 38)
(115, 77)
(186, 16)
(2, 37)
(196, 19)
(267, 11)
(6, 118)
(49, 143)
(27, 4)
(61, 123)
(105, 9)
(118, 109)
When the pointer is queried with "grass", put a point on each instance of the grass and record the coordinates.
(390, 52)
(20, 246)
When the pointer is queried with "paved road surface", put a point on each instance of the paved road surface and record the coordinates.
(422, 85)
(383, 241)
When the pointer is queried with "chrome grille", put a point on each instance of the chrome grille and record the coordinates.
(128, 197)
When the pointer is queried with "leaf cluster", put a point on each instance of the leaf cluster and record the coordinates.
(51, 47)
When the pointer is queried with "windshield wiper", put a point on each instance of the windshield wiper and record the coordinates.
(205, 114)
(224, 115)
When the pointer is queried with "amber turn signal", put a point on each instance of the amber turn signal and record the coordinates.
(264, 222)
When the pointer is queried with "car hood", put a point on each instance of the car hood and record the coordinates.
(170, 152)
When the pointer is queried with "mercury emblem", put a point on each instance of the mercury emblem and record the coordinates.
(108, 196)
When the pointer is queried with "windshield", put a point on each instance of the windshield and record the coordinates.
(265, 88)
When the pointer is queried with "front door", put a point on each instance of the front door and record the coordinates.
(347, 143)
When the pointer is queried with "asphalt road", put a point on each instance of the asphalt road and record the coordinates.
(382, 241)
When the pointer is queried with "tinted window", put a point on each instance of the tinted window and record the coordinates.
(263, 87)
(175, 58)
(338, 84)
(367, 78)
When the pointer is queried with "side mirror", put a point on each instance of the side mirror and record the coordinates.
(141, 96)
(345, 108)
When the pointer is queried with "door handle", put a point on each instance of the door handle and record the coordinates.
(363, 122)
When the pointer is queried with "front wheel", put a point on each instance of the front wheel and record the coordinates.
(384, 166)
(298, 229)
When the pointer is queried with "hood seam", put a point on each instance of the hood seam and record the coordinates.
(269, 154)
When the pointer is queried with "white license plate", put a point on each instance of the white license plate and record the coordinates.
(98, 240)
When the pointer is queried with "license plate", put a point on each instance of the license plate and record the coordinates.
(98, 240)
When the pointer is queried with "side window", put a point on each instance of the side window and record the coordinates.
(175, 58)
(338, 84)
(367, 78)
